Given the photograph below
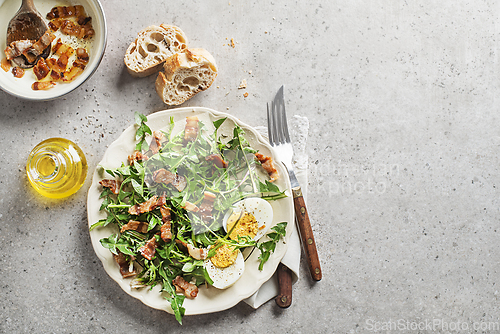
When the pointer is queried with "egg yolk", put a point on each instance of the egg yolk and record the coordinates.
(224, 256)
(245, 226)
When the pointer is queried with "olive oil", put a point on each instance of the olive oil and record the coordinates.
(56, 168)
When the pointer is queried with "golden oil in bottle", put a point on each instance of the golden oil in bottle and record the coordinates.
(56, 168)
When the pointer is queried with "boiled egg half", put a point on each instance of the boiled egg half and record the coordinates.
(225, 267)
(253, 217)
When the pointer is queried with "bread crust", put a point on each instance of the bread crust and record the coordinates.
(152, 47)
(185, 74)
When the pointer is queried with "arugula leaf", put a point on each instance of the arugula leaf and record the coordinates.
(176, 305)
(141, 132)
(114, 243)
(101, 222)
(137, 187)
(173, 298)
(268, 247)
(218, 123)
(153, 222)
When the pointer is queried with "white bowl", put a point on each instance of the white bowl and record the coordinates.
(22, 87)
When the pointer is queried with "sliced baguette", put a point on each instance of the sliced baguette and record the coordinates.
(186, 74)
(152, 47)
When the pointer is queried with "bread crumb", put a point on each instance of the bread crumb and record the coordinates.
(245, 95)
(249, 72)
(232, 43)
(243, 84)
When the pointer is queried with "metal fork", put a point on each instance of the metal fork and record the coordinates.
(280, 141)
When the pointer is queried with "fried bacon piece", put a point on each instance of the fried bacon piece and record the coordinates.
(41, 69)
(151, 204)
(64, 51)
(18, 72)
(190, 290)
(166, 227)
(17, 48)
(126, 268)
(55, 24)
(43, 43)
(51, 62)
(75, 71)
(136, 156)
(268, 165)
(179, 182)
(135, 225)
(5, 64)
(149, 249)
(30, 57)
(66, 11)
(156, 143)
(70, 28)
(206, 206)
(38, 85)
(191, 129)
(60, 48)
(164, 176)
(217, 160)
(56, 76)
(191, 207)
(113, 185)
(82, 56)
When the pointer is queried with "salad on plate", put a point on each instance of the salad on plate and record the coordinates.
(189, 208)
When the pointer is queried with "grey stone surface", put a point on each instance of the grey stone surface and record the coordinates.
(401, 98)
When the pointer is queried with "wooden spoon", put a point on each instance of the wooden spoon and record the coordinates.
(27, 24)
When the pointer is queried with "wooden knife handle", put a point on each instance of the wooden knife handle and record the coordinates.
(284, 298)
(306, 234)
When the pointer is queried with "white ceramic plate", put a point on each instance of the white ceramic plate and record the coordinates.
(22, 87)
(209, 299)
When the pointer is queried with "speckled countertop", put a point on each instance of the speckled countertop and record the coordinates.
(404, 137)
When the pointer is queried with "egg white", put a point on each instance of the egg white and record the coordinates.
(223, 278)
(259, 208)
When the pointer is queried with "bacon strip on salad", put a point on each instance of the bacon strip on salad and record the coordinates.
(135, 225)
(113, 185)
(191, 129)
(149, 249)
(157, 141)
(166, 227)
(207, 205)
(136, 156)
(217, 160)
(190, 290)
(126, 268)
(268, 165)
(166, 177)
(151, 204)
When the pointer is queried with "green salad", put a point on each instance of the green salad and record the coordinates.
(171, 202)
